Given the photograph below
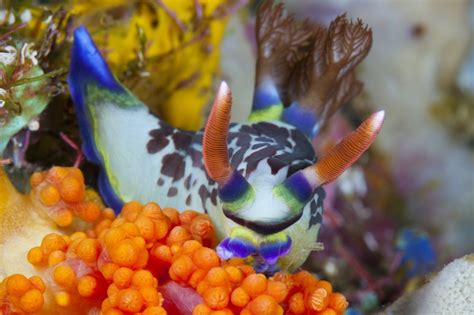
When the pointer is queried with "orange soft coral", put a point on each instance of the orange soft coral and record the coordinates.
(233, 287)
(133, 263)
(58, 200)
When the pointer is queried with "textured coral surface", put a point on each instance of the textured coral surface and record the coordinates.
(148, 260)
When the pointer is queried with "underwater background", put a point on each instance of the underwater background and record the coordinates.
(391, 221)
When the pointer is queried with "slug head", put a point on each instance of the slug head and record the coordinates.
(270, 203)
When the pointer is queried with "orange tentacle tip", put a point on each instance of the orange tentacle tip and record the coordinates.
(214, 150)
(346, 152)
(62, 298)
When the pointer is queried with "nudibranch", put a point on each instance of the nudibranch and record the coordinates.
(260, 182)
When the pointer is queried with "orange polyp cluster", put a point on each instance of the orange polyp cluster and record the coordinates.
(117, 264)
(62, 192)
(21, 294)
(234, 288)
(133, 292)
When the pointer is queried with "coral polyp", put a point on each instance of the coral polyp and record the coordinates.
(148, 260)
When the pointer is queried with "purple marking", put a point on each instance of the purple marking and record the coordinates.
(223, 251)
(271, 251)
(299, 186)
(264, 99)
(241, 248)
(302, 118)
(234, 188)
(235, 247)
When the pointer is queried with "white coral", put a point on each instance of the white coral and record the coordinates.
(451, 291)
(7, 55)
(28, 53)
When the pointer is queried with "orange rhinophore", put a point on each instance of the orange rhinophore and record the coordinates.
(215, 138)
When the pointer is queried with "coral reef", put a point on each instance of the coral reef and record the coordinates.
(63, 251)
(147, 260)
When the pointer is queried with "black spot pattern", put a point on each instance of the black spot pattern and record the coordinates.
(317, 217)
(214, 196)
(173, 166)
(173, 191)
(157, 144)
(159, 138)
(277, 145)
(182, 140)
(187, 182)
(254, 158)
(203, 194)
